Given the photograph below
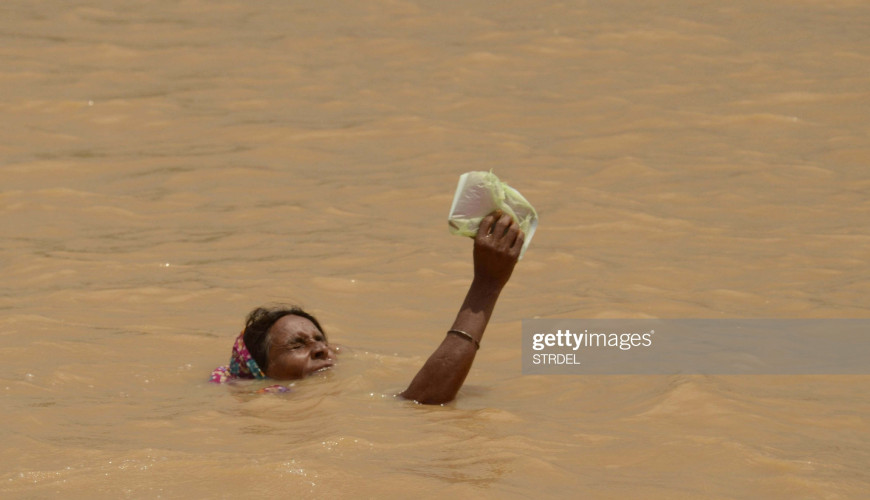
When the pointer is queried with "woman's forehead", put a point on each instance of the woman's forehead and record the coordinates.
(293, 325)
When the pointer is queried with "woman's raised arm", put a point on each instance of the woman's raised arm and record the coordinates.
(496, 249)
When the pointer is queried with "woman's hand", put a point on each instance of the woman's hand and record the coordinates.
(496, 249)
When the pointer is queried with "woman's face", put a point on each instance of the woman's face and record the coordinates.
(297, 348)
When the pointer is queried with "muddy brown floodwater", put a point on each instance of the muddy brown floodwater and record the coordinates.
(166, 166)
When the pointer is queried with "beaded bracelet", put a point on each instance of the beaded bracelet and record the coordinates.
(466, 336)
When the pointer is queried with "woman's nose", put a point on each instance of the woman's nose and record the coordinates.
(319, 350)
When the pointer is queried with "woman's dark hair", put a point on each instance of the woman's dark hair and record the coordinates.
(257, 326)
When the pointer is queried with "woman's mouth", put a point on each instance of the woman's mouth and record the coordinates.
(325, 365)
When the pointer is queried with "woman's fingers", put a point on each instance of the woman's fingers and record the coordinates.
(499, 230)
(517, 245)
(486, 225)
(496, 249)
(501, 226)
(511, 235)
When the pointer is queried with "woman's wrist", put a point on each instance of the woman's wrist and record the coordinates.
(487, 285)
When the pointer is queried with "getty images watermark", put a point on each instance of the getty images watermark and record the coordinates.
(696, 346)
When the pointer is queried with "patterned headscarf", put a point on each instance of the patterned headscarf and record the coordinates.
(242, 365)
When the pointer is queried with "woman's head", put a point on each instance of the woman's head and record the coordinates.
(287, 342)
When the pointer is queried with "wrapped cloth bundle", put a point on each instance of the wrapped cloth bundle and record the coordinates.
(481, 193)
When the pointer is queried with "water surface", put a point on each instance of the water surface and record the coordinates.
(168, 166)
